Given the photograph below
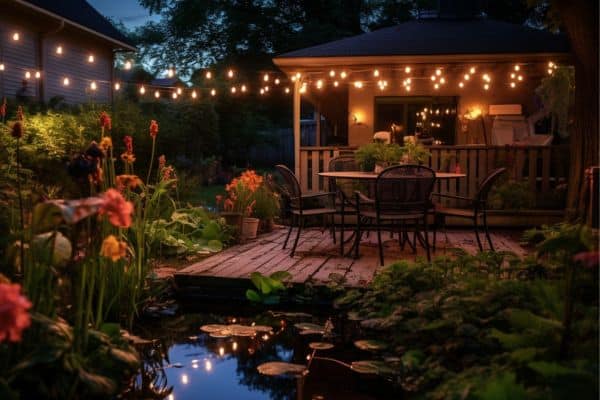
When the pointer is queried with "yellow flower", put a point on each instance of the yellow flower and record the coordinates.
(106, 143)
(113, 248)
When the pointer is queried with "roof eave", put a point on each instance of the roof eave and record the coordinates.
(124, 46)
(307, 63)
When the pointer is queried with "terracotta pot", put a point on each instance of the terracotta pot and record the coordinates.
(233, 219)
(249, 228)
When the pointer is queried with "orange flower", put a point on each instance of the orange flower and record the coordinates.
(228, 205)
(129, 158)
(128, 181)
(153, 128)
(105, 121)
(113, 248)
(106, 143)
(20, 115)
(14, 318)
(17, 130)
(116, 208)
(168, 173)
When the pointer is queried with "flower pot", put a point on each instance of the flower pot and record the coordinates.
(233, 219)
(266, 225)
(249, 228)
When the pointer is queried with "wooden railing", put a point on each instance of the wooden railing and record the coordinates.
(542, 168)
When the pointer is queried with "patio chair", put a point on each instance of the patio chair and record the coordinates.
(296, 203)
(344, 203)
(402, 196)
(476, 208)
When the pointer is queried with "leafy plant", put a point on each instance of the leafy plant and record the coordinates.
(268, 288)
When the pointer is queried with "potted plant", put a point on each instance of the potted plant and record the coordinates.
(241, 199)
(414, 153)
(266, 206)
(377, 156)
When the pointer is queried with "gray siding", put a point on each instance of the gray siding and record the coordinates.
(24, 55)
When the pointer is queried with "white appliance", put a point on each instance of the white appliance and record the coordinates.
(509, 127)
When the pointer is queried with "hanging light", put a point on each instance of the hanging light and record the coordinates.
(194, 94)
(179, 90)
(343, 74)
(262, 91)
(117, 86)
(332, 73)
(513, 75)
(91, 58)
(407, 87)
(436, 86)
(174, 95)
(27, 75)
(266, 78)
(407, 70)
(267, 88)
(277, 81)
(59, 49)
(467, 77)
(142, 89)
(358, 84)
(157, 94)
(1, 67)
(208, 75)
(16, 37)
(243, 88)
(287, 90)
(376, 73)
(520, 77)
(233, 89)
(230, 73)
(517, 67)
(486, 78)
(472, 70)
(336, 83)
(442, 80)
(461, 85)
(320, 84)
(433, 77)
(66, 81)
(213, 92)
(127, 65)
(486, 86)
(512, 85)
(438, 72)
(38, 74)
(93, 86)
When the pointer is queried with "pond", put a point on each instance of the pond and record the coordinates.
(183, 362)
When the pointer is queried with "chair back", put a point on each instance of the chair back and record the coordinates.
(404, 189)
(487, 184)
(290, 187)
(343, 188)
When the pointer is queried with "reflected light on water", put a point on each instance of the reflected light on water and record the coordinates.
(185, 379)
(208, 366)
(221, 351)
(234, 346)
(171, 397)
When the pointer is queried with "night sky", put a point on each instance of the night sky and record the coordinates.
(127, 11)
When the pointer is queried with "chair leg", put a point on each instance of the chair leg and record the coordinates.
(289, 231)
(487, 231)
(435, 225)
(300, 226)
(426, 238)
(332, 217)
(357, 238)
(379, 243)
(476, 228)
(342, 227)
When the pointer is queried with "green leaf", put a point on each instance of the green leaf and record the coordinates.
(211, 231)
(503, 387)
(555, 370)
(253, 296)
(111, 329)
(215, 245)
(413, 358)
(280, 275)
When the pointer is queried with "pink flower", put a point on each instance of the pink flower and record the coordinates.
(105, 121)
(14, 317)
(128, 140)
(116, 208)
(153, 128)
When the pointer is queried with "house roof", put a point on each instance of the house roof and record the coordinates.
(81, 14)
(440, 37)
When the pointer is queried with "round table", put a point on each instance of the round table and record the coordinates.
(362, 175)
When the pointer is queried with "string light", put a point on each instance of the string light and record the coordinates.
(436, 86)
(91, 58)
(179, 90)
(16, 37)
(267, 88)
(512, 85)
(170, 72)
(234, 346)
(513, 75)
(376, 73)
(336, 83)
(38, 74)
(93, 86)
(438, 72)
(286, 90)
(174, 95)
(461, 85)
(303, 88)
(277, 81)
(520, 77)
(128, 65)
(117, 86)
(157, 94)
(208, 75)
(59, 50)
(467, 77)
(517, 67)
(1, 67)
(332, 73)
(320, 84)
(194, 94)
(442, 80)
(433, 77)
(230, 73)
(221, 351)
(266, 78)
(486, 86)
(472, 70)
(27, 75)
(343, 74)
(407, 70)
(486, 78)
(262, 91)
(213, 92)
(233, 89)
(358, 84)
(142, 90)
(243, 88)
(66, 82)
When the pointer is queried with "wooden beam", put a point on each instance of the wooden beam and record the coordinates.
(297, 104)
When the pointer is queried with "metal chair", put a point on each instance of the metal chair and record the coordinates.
(344, 203)
(402, 195)
(476, 209)
(296, 204)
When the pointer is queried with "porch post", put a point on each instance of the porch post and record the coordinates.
(297, 128)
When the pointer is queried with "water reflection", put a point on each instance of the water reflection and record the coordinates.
(185, 363)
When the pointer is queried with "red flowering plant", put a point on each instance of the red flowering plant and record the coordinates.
(241, 193)
(14, 312)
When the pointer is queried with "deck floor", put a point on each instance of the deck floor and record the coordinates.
(317, 256)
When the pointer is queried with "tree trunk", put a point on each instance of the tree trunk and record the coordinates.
(580, 21)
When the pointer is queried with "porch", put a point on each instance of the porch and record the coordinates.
(316, 258)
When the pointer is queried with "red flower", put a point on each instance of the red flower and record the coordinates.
(105, 121)
(116, 208)
(14, 317)
(17, 130)
(153, 128)
(128, 140)
(20, 115)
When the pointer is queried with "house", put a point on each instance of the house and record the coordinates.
(57, 49)
(468, 84)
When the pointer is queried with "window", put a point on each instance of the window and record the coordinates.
(431, 116)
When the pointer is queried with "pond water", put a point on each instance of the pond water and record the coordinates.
(183, 362)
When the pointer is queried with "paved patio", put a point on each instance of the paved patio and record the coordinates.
(317, 257)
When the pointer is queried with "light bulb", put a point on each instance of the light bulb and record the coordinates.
(376, 73)
(438, 72)
(157, 94)
(262, 91)
(16, 36)
(472, 70)
(298, 75)
(230, 73)
(358, 84)
(267, 88)
(550, 63)
(213, 92)
(66, 82)
(185, 379)
(517, 67)
(512, 76)
(467, 77)
(179, 90)
(512, 84)
(208, 75)
(436, 86)
(234, 346)
(243, 89)
(127, 65)
(27, 75)
(432, 77)
(277, 81)
(91, 58)
(486, 86)
(461, 85)
(1, 67)
(142, 89)
(194, 94)
(336, 83)
(117, 86)
(442, 80)
(407, 70)
(208, 366)
(221, 351)
(233, 89)
(38, 74)
(59, 50)
(407, 88)
(287, 90)
(320, 84)
(266, 78)
(93, 85)
(332, 73)
(486, 77)
(174, 95)
(343, 74)
(520, 77)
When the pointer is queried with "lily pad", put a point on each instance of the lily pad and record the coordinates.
(290, 315)
(311, 332)
(308, 326)
(371, 345)
(212, 328)
(225, 333)
(262, 328)
(281, 368)
(320, 345)
(373, 367)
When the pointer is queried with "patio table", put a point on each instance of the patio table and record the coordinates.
(372, 176)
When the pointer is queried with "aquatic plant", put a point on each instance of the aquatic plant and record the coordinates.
(268, 288)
